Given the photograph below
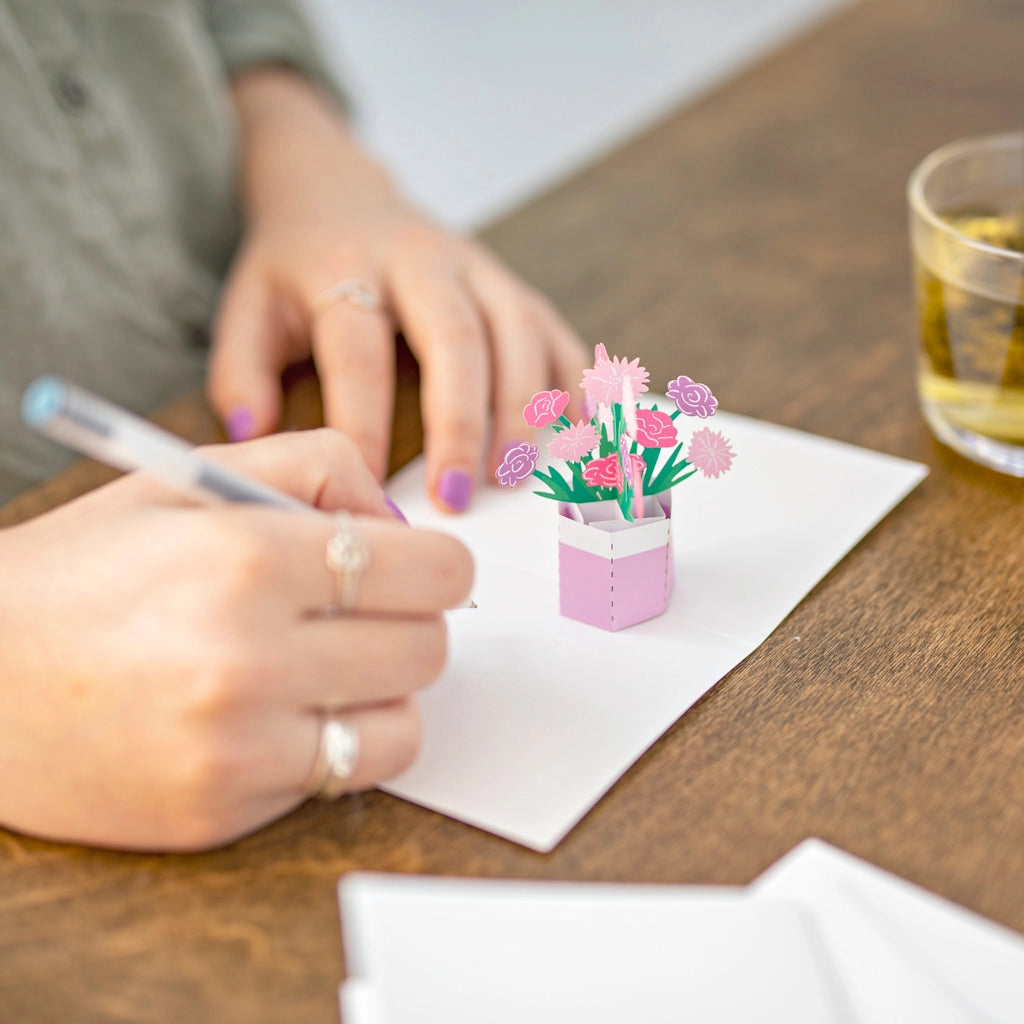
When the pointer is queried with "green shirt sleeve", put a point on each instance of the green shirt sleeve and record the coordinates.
(251, 33)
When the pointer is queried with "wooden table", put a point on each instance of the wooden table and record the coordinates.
(756, 240)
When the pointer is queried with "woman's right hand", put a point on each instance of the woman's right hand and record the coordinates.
(160, 671)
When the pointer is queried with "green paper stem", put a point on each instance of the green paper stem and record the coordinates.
(651, 456)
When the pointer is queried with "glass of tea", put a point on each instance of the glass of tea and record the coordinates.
(967, 239)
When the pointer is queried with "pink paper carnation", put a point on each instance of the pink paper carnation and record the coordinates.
(691, 398)
(655, 429)
(545, 408)
(710, 452)
(517, 464)
(574, 442)
(604, 383)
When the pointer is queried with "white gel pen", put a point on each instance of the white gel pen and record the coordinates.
(95, 427)
(98, 428)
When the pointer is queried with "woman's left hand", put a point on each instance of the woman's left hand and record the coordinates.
(319, 213)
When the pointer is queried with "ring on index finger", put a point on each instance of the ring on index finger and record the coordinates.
(352, 290)
(347, 557)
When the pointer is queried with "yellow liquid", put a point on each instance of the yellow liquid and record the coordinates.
(971, 373)
(996, 412)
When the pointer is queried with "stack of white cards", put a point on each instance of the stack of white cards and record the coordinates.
(819, 937)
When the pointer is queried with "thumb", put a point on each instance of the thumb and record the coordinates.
(250, 350)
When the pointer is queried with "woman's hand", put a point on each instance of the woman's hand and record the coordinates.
(320, 212)
(160, 671)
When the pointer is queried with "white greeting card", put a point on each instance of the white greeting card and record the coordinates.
(536, 715)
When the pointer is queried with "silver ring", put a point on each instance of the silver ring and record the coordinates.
(353, 291)
(347, 556)
(336, 758)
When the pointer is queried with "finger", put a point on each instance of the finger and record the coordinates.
(520, 357)
(250, 349)
(320, 467)
(408, 571)
(569, 356)
(355, 357)
(352, 661)
(447, 334)
(389, 739)
(281, 752)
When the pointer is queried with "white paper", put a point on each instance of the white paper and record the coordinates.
(537, 716)
(949, 954)
(466, 951)
(360, 1003)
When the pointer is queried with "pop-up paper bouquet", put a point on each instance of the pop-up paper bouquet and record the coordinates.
(614, 493)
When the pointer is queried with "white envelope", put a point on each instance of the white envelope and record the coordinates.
(904, 954)
(428, 950)
(537, 716)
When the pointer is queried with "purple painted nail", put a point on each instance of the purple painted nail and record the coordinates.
(395, 510)
(239, 424)
(455, 488)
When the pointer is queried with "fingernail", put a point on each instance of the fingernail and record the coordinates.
(395, 510)
(239, 424)
(455, 488)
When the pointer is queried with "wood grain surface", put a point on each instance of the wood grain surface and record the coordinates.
(756, 240)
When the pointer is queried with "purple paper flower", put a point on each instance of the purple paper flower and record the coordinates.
(545, 408)
(574, 442)
(655, 429)
(518, 464)
(691, 398)
(710, 452)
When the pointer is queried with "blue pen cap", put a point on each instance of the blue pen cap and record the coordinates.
(44, 399)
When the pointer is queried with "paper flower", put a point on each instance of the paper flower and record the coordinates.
(618, 446)
(518, 464)
(607, 472)
(638, 464)
(545, 408)
(603, 384)
(691, 398)
(710, 452)
(604, 472)
(655, 429)
(574, 442)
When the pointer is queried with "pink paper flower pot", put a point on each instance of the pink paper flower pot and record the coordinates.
(613, 573)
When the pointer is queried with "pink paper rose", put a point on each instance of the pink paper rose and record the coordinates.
(545, 408)
(655, 429)
(604, 472)
(607, 472)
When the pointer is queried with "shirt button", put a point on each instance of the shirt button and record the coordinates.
(71, 93)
